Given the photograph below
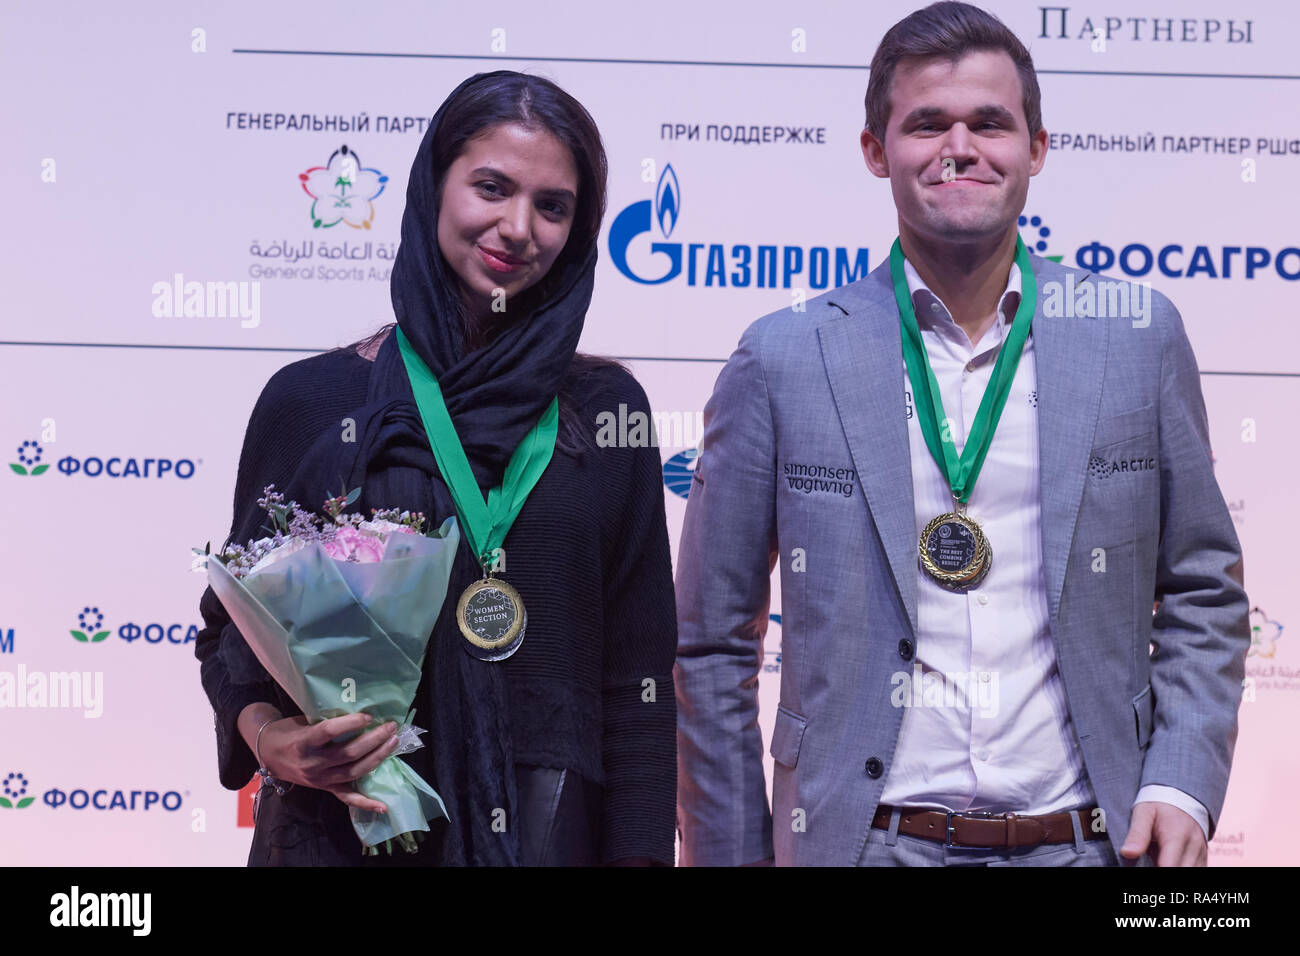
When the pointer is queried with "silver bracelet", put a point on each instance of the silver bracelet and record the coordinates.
(261, 768)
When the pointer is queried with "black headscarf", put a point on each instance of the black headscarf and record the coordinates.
(494, 395)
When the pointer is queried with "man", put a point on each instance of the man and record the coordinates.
(966, 594)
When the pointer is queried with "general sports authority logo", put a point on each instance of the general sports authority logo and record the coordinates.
(342, 191)
(1264, 634)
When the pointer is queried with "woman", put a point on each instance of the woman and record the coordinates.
(564, 752)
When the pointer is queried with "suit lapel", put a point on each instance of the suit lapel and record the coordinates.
(863, 354)
(1069, 358)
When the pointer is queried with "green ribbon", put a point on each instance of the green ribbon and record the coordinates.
(487, 523)
(961, 472)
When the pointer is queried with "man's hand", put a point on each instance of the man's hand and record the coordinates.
(1178, 837)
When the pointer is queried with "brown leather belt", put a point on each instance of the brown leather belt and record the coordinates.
(987, 831)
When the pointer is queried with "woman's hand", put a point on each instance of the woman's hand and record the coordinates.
(298, 752)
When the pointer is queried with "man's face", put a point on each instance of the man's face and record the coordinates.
(957, 150)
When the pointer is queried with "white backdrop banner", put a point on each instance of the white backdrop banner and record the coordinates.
(177, 235)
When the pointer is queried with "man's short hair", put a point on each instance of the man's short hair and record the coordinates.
(949, 30)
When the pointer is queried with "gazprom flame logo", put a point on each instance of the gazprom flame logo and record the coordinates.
(728, 262)
(640, 218)
(343, 190)
(668, 199)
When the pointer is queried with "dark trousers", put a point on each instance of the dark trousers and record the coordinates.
(558, 821)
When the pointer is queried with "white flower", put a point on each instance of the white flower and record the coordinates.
(381, 528)
(283, 551)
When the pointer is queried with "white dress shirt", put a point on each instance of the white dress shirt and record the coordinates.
(986, 725)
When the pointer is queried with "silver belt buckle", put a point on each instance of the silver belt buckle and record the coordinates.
(983, 814)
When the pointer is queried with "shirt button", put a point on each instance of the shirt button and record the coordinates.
(935, 307)
(983, 599)
(970, 366)
(982, 754)
(984, 676)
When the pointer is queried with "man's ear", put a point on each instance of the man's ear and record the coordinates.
(1038, 152)
(873, 151)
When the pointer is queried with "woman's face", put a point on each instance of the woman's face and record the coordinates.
(507, 207)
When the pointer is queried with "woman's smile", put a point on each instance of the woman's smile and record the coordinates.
(499, 261)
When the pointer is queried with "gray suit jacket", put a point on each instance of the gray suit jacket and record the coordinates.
(826, 387)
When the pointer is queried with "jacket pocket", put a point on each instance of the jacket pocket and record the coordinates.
(287, 844)
(559, 816)
(288, 831)
(1125, 426)
(1144, 707)
(787, 736)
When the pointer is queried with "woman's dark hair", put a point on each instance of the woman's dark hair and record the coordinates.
(507, 97)
(949, 30)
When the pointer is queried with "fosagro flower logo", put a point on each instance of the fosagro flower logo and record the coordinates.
(15, 788)
(29, 459)
(89, 622)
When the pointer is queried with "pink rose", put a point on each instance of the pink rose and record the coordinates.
(350, 544)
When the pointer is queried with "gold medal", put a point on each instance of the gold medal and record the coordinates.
(491, 616)
(490, 612)
(954, 551)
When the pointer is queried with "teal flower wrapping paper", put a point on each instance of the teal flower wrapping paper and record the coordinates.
(344, 636)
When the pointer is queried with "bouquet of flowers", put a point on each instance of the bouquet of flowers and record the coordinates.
(339, 612)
